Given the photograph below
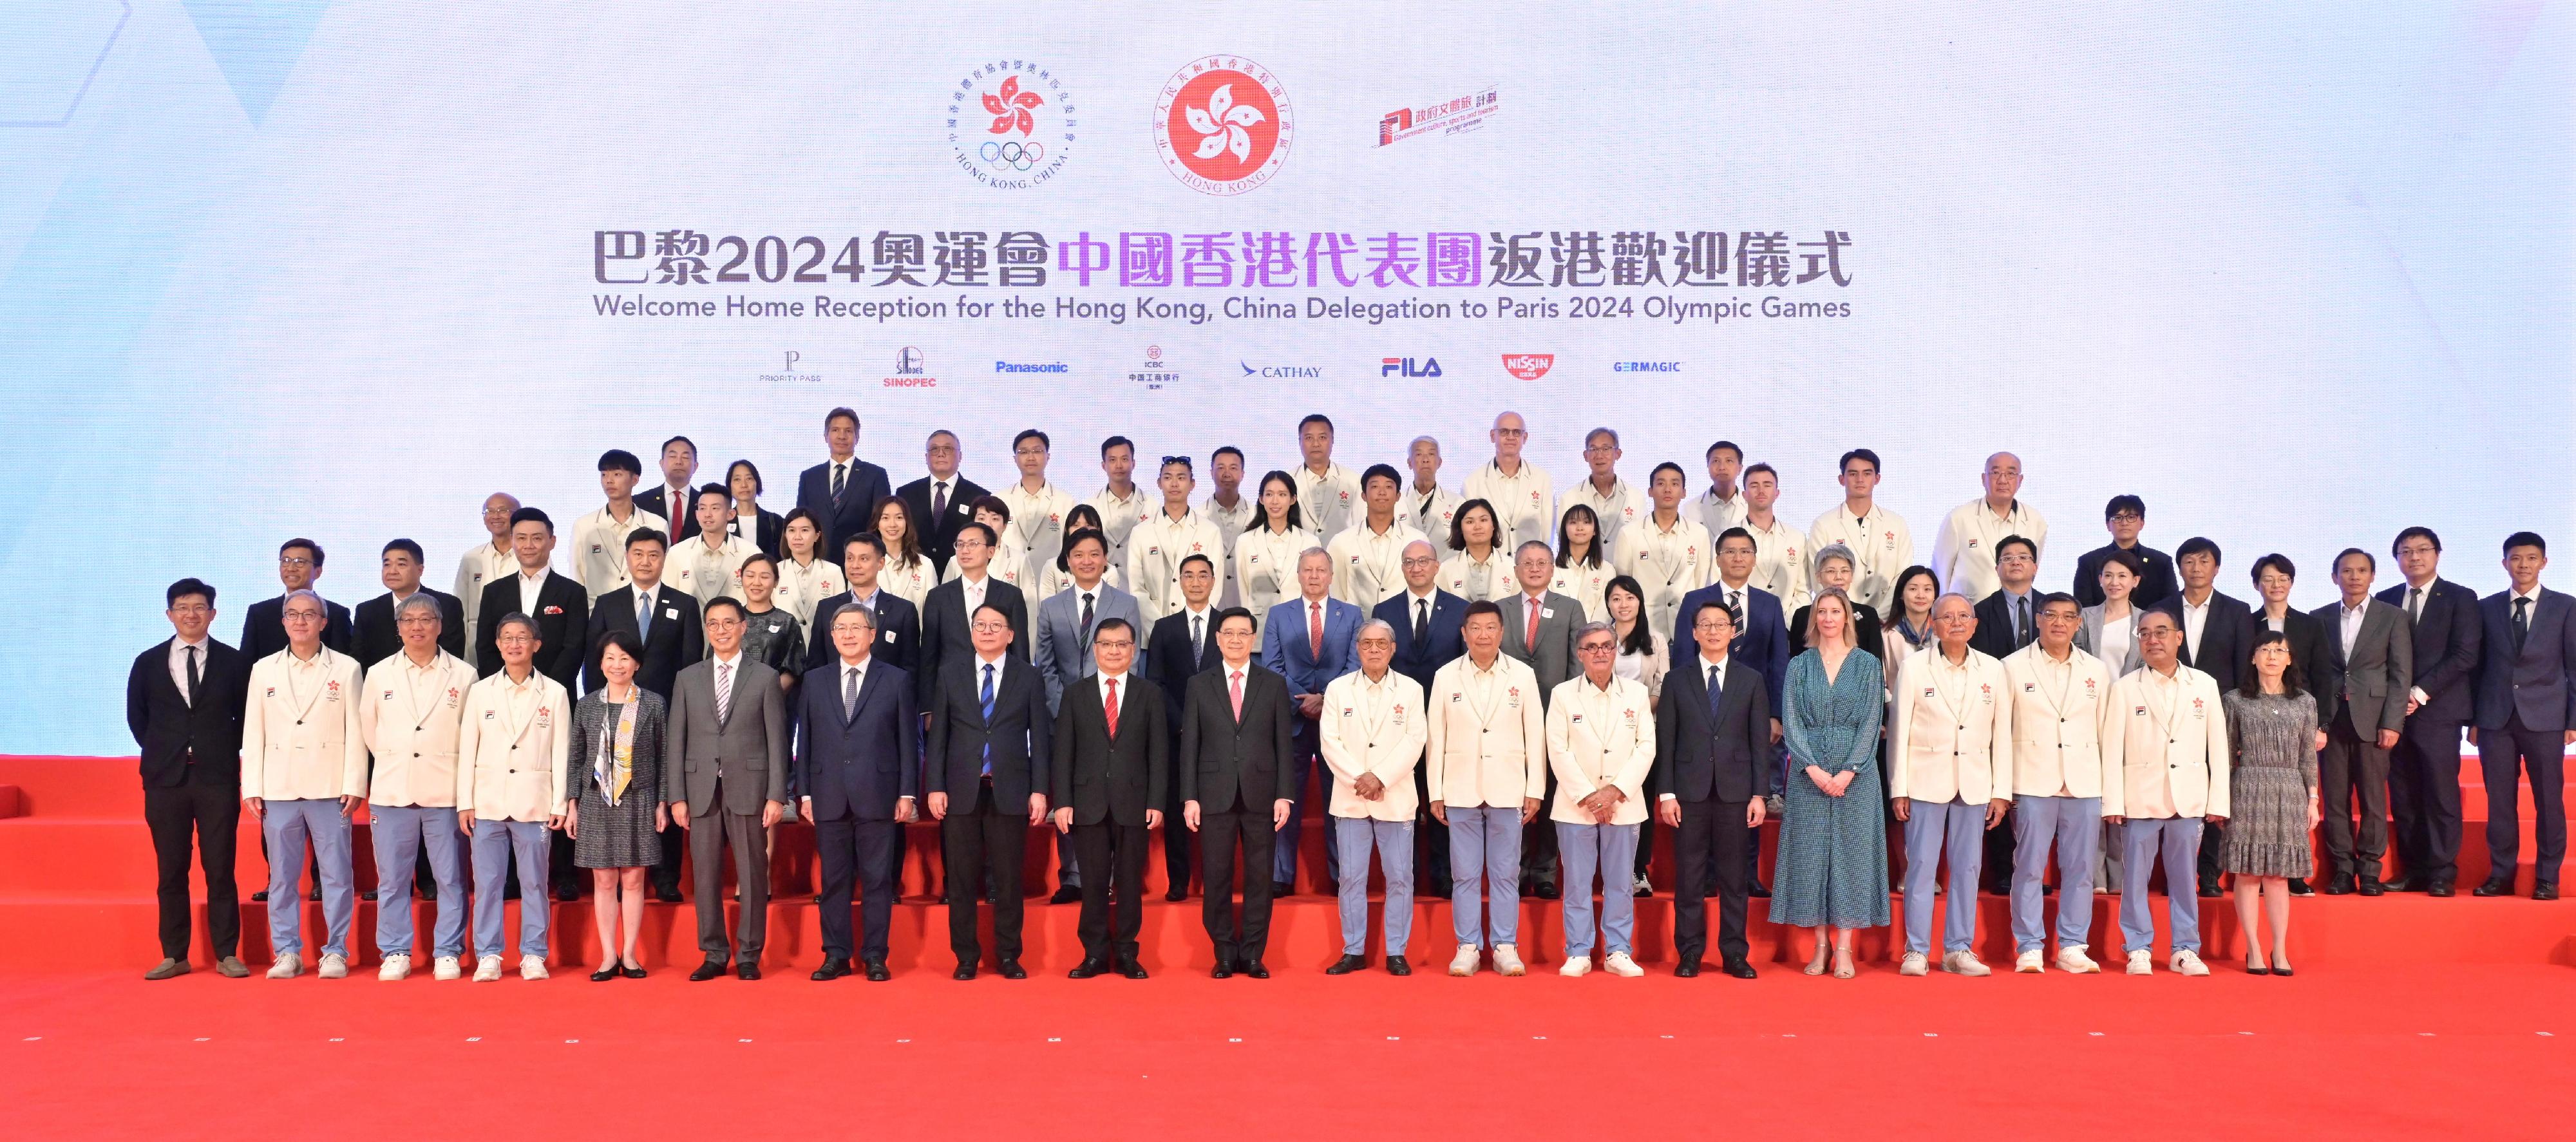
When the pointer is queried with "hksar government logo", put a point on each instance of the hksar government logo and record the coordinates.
(1223, 125)
(1010, 124)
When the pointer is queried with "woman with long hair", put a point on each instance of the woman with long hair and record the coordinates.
(807, 574)
(1583, 569)
(1916, 590)
(1265, 555)
(907, 573)
(1643, 658)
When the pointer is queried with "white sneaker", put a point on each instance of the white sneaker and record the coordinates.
(288, 966)
(1507, 960)
(1618, 964)
(2029, 963)
(396, 967)
(1914, 963)
(1576, 967)
(487, 969)
(1464, 963)
(2187, 962)
(532, 967)
(334, 966)
(445, 968)
(1965, 963)
(2072, 959)
(2142, 962)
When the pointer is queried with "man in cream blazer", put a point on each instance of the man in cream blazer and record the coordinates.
(510, 790)
(1368, 555)
(410, 712)
(2061, 699)
(1486, 766)
(1667, 552)
(1371, 737)
(1157, 546)
(1949, 778)
(2170, 752)
(304, 768)
(1601, 745)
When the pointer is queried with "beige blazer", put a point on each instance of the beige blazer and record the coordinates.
(1940, 751)
(512, 768)
(300, 736)
(1373, 729)
(2057, 739)
(1599, 737)
(1490, 753)
(2169, 747)
(413, 735)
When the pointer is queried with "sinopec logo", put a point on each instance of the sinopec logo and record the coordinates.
(911, 371)
(1528, 366)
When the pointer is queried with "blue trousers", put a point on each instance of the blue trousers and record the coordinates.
(288, 825)
(1484, 845)
(2076, 823)
(1959, 828)
(1393, 840)
(1611, 849)
(496, 844)
(401, 832)
(2176, 840)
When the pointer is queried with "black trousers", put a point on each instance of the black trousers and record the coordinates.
(1177, 864)
(1538, 842)
(975, 838)
(2506, 755)
(1710, 830)
(1999, 856)
(2424, 797)
(855, 853)
(1431, 864)
(2352, 766)
(666, 874)
(1219, 833)
(204, 810)
(1105, 936)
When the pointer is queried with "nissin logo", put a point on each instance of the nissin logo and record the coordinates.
(1407, 367)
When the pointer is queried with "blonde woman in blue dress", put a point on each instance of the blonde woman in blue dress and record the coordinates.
(1832, 867)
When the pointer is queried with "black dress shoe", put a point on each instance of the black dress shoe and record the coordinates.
(1396, 965)
(2299, 887)
(963, 972)
(1131, 969)
(1011, 969)
(1687, 969)
(2209, 887)
(2544, 892)
(1256, 969)
(368, 895)
(259, 897)
(1757, 890)
(669, 895)
(2441, 888)
(636, 972)
(2406, 883)
(1545, 891)
(1066, 894)
(1740, 969)
(2282, 971)
(1280, 889)
(603, 975)
(1176, 895)
(707, 971)
(876, 971)
(2493, 888)
(1089, 967)
(834, 967)
(1224, 969)
(1346, 965)
(2370, 887)
(2340, 884)
(567, 893)
(747, 970)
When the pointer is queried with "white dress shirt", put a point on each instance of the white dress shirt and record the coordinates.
(705, 573)
(1780, 554)
(599, 547)
(1037, 524)
(179, 649)
(803, 587)
(1372, 728)
(1230, 526)
(2195, 619)
(1669, 562)
(1154, 554)
(2351, 624)
(1368, 565)
(1720, 513)
(1478, 581)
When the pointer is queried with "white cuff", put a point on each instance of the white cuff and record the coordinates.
(2417, 693)
(1668, 797)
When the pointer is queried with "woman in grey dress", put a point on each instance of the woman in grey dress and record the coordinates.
(616, 764)
(1832, 867)
(2272, 791)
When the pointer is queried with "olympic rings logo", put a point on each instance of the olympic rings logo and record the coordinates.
(1014, 154)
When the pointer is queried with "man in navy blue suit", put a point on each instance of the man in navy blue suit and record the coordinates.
(1309, 640)
(841, 493)
(1761, 642)
(990, 736)
(299, 564)
(2526, 716)
(2424, 772)
(858, 755)
(1427, 622)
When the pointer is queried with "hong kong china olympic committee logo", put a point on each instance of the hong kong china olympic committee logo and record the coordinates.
(1010, 124)
(1223, 125)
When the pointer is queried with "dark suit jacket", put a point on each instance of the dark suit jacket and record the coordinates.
(2537, 681)
(1226, 765)
(563, 622)
(945, 633)
(1019, 733)
(678, 638)
(848, 515)
(2448, 639)
(1170, 663)
(1727, 758)
(898, 632)
(1104, 779)
(2372, 681)
(1420, 660)
(939, 536)
(2226, 641)
(264, 628)
(2308, 652)
(2153, 587)
(1763, 644)
(1867, 633)
(655, 502)
(374, 637)
(857, 766)
(743, 758)
(1994, 637)
(168, 727)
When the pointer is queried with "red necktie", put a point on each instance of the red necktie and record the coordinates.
(1111, 710)
(1237, 689)
(1529, 630)
(1315, 629)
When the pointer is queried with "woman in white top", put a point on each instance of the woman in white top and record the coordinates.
(1643, 658)
(907, 573)
(2110, 627)
(1583, 569)
(1265, 555)
(1478, 572)
(1911, 630)
(1010, 560)
(806, 576)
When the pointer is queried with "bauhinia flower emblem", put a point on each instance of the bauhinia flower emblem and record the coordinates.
(1010, 109)
(1221, 125)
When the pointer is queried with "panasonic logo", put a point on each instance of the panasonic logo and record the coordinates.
(1011, 367)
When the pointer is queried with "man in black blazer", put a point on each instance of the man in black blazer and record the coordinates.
(664, 620)
(939, 503)
(2222, 649)
(946, 633)
(898, 622)
(375, 638)
(841, 493)
(1235, 788)
(858, 744)
(562, 608)
(183, 702)
(1182, 645)
(2424, 770)
(988, 783)
(2125, 516)
(2360, 686)
(675, 498)
(1112, 757)
(299, 565)
(2008, 619)
(1712, 763)
(1429, 634)
(2526, 716)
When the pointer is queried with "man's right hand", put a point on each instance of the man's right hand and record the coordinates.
(1190, 815)
(1670, 813)
(680, 813)
(258, 807)
(1440, 813)
(939, 806)
(1901, 806)
(1064, 819)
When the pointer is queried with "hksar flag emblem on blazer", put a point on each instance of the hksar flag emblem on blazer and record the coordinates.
(331, 693)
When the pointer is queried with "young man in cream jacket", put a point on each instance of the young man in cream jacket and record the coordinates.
(1371, 736)
(1368, 554)
(304, 769)
(411, 712)
(1486, 765)
(2061, 701)
(1173, 533)
(1601, 744)
(510, 792)
(2170, 752)
(1949, 778)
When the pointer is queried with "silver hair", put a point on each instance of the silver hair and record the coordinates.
(1605, 430)
(1971, 604)
(318, 604)
(1381, 624)
(1816, 562)
(1590, 628)
(521, 618)
(1316, 550)
(853, 607)
(1541, 544)
(1433, 441)
(419, 601)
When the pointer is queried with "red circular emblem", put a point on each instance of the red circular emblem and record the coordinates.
(1223, 125)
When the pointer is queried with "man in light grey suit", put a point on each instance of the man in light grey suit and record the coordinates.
(1064, 624)
(2361, 686)
(725, 774)
(1538, 629)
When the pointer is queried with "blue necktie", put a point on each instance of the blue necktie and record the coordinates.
(1716, 693)
(988, 719)
(643, 614)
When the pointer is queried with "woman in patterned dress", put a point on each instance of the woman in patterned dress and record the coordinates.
(1832, 867)
(2272, 790)
(616, 764)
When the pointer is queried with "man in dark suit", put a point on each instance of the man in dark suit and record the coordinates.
(939, 502)
(946, 632)
(1712, 757)
(2424, 771)
(2008, 619)
(1547, 648)
(2125, 516)
(2360, 686)
(1237, 737)
(1112, 756)
(1429, 634)
(989, 748)
(1183, 644)
(665, 622)
(841, 493)
(1289, 647)
(898, 622)
(1761, 641)
(562, 608)
(299, 565)
(183, 702)
(858, 741)
(2526, 716)
(2218, 640)
(724, 771)
(676, 498)
(374, 636)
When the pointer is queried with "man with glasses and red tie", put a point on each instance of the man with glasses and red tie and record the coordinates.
(1112, 757)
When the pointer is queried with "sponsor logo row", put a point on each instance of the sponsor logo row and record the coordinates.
(912, 369)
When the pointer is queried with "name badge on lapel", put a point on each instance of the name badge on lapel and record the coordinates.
(1547, 612)
(671, 612)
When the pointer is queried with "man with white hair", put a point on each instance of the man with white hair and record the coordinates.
(1371, 735)
(1522, 496)
(485, 564)
(1963, 553)
(1601, 747)
(1614, 504)
(304, 769)
(1425, 504)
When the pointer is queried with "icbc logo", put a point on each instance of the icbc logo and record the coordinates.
(1223, 125)
(1528, 366)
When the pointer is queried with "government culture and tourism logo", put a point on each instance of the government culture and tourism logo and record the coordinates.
(1222, 125)
(1011, 124)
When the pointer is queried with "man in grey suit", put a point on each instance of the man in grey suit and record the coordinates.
(727, 756)
(2361, 685)
(1538, 629)
(1065, 622)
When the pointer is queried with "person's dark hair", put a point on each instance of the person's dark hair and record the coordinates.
(1746, 536)
(1691, 620)
(2124, 502)
(1384, 472)
(1027, 434)
(2349, 552)
(874, 541)
(1244, 613)
(2198, 545)
(693, 445)
(1458, 523)
(316, 548)
(722, 494)
(757, 557)
(1063, 559)
(910, 552)
(981, 528)
(405, 546)
(2023, 541)
(2411, 533)
(1641, 637)
(2292, 681)
(1104, 626)
(1114, 442)
(794, 514)
(841, 413)
(532, 515)
(994, 504)
(2276, 559)
(1315, 418)
(1195, 557)
(1083, 517)
(1564, 547)
(186, 587)
(1764, 468)
(1844, 465)
(1896, 597)
(708, 611)
(1182, 460)
(1296, 517)
(2517, 539)
(1481, 607)
(622, 640)
(646, 535)
(1225, 450)
(621, 460)
(1723, 446)
(2043, 602)
(745, 465)
(2123, 557)
(1659, 470)
(998, 612)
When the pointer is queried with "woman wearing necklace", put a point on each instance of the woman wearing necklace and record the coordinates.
(1265, 555)
(2272, 791)
(805, 577)
(1477, 573)
(1916, 591)
(616, 763)
(907, 573)
(1832, 868)
(1583, 569)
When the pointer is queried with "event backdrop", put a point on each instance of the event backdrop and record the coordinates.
(2298, 274)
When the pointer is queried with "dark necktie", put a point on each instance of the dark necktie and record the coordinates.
(988, 719)
(2021, 622)
(840, 479)
(2414, 604)
(2521, 623)
(1086, 618)
(1735, 608)
(195, 679)
(938, 502)
(849, 694)
(1198, 649)
(1421, 621)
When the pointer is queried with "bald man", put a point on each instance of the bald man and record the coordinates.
(1518, 489)
(1963, 553)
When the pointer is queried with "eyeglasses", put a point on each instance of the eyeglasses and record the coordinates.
(293, 561)
(416, 620)
(302, 613)
(1421, 562)
(990, 627)
(1596, 648)
(1113, 644)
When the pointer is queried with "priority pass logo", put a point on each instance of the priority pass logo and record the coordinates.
(1528, 366)
(1010, 124)
(1222, 125)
